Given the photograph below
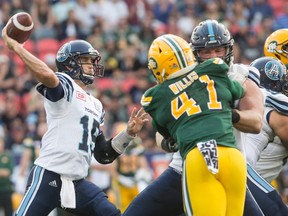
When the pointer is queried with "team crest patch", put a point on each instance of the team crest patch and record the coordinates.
(81, 96)
(272, 70)
(152, 64)
(272, 47)
(63, 53)
(209, 152)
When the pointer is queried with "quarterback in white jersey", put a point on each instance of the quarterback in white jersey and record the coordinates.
(73, 118)
(81, 114)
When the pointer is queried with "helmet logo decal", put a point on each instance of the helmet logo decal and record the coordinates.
(177, 50)
(152, 64)
(272, 47)
(63, 53)
(272, 71)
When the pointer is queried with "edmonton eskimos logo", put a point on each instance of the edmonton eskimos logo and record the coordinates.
(272, 47)
(152, 64)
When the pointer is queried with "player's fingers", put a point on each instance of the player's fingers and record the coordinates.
(133, 114)
(141, 113)
(146, 120)
(132, 123)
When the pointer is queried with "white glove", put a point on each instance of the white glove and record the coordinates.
(238, 72)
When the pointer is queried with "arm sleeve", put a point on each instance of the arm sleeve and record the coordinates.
(277, 101)
(163, 131)
(236, 89)
(65, 87)
(55, 94)
(103, 151)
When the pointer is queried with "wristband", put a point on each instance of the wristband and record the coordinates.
(235, 116)
(121, 141)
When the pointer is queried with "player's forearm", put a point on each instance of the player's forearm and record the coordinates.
(249, 121)
(39, 69)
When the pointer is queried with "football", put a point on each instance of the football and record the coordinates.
(20, 27)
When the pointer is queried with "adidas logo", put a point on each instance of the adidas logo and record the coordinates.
(53, 183)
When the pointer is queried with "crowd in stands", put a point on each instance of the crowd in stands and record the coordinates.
(121, 30)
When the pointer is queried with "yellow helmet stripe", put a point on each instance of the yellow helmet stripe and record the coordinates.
(174, 45)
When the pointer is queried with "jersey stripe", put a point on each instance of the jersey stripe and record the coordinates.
(254, 77)
(67, 86)
(145, 101)
(177, 50)
(186, 200)
(28, 198)
(280, 106)
(258, 180)
(102, 117)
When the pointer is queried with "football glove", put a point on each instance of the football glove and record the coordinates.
(238, 72)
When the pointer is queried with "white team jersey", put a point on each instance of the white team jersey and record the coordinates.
(272, 160)
(265, 151)
(73, 125)
(256, 143)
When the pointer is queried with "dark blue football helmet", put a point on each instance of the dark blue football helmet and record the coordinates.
(273, 75)
(68, 60)
(211, 34)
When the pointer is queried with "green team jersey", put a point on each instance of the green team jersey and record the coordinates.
(195, 107)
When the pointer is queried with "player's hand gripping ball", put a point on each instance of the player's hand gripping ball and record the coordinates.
(20, 27)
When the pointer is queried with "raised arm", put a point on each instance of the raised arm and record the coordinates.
(38, 68)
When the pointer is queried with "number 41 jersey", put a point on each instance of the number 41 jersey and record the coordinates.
(73, 125)
(195, 107)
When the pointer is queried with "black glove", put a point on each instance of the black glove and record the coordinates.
(169, 145)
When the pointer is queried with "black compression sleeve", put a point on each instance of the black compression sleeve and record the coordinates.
(103, 151)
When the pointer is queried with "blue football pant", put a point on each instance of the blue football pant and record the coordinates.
(266, 196)
(43, 195)
(162, 197)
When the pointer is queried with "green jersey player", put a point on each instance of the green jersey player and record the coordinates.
(192, 104)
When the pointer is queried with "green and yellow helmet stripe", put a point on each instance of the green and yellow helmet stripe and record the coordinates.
(174, 45)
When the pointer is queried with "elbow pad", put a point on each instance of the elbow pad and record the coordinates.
(103, 151)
